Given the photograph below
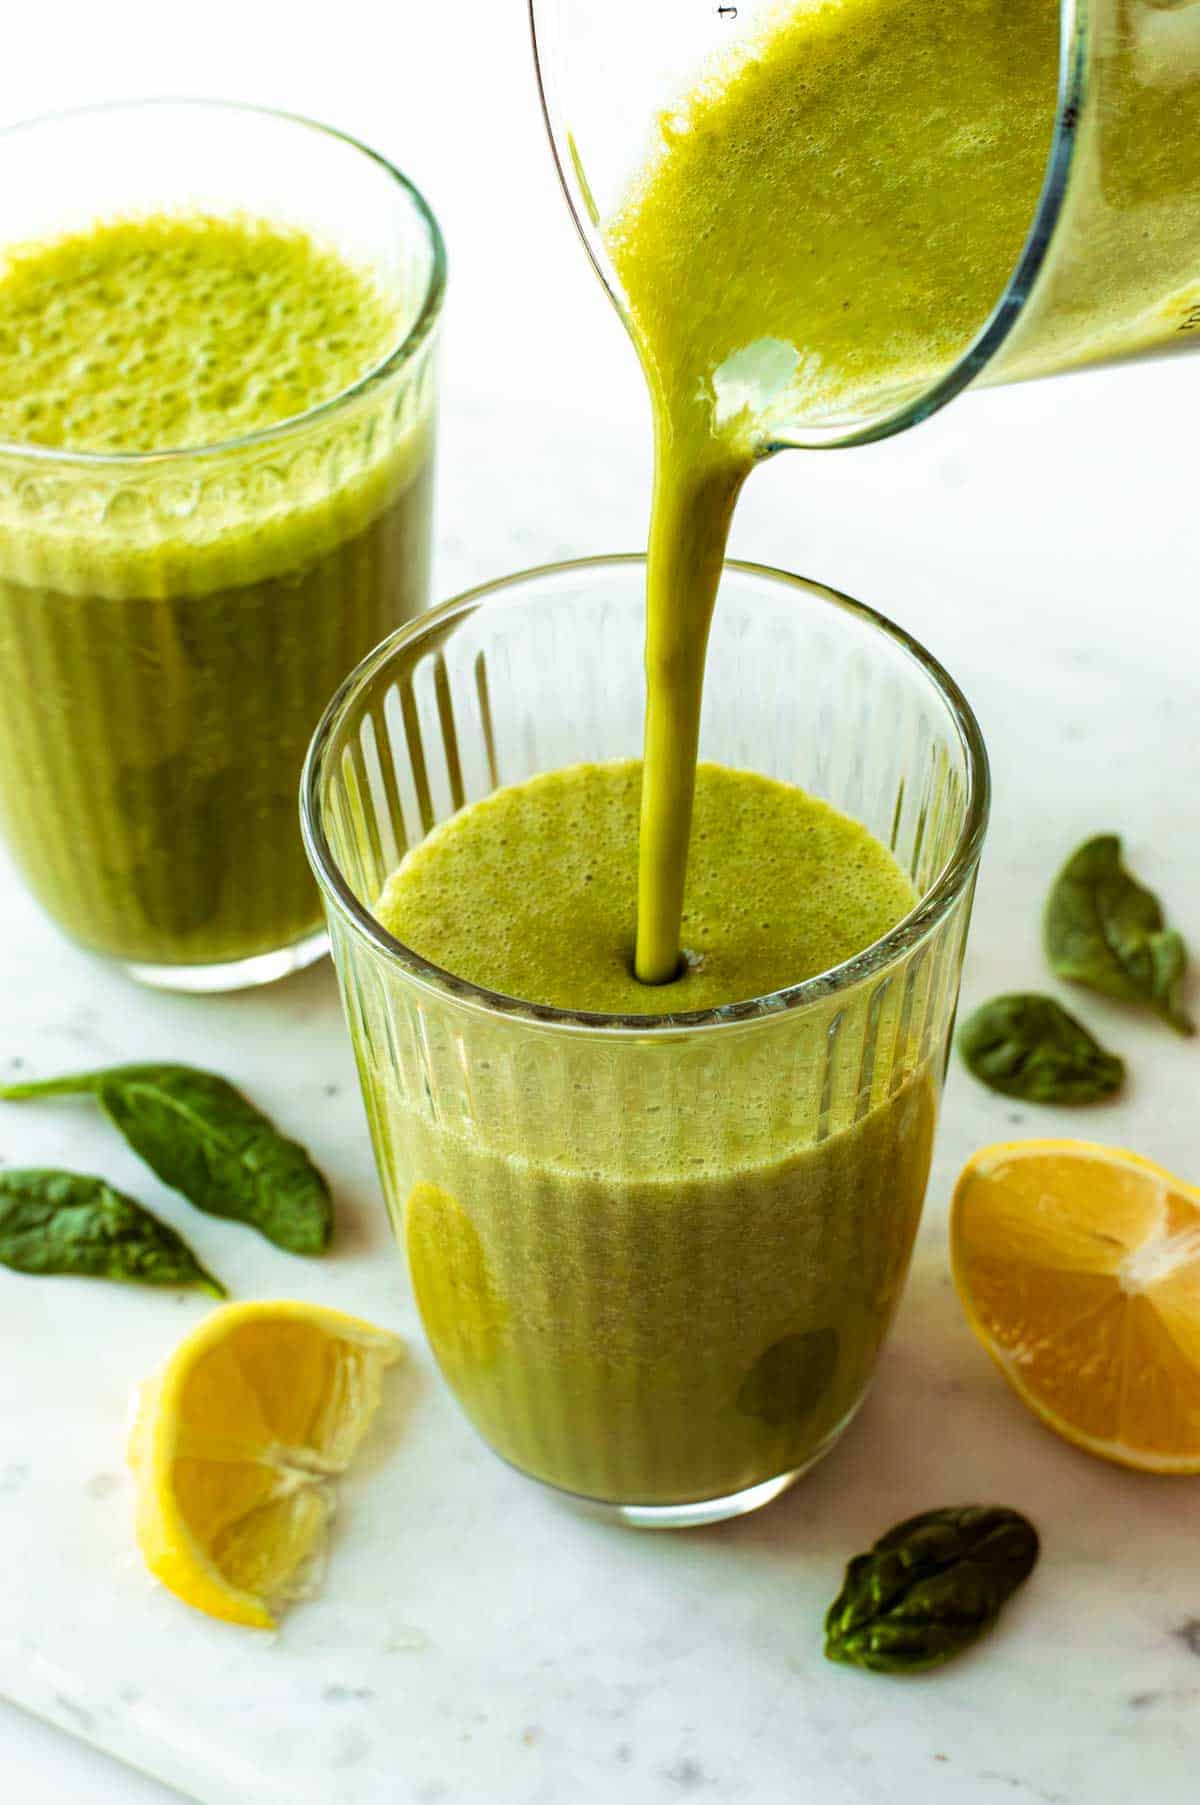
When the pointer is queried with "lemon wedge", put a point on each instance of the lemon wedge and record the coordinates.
(1078, 1267)
(235, 1444)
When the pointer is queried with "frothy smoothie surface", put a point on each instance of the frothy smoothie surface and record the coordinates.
(168, 332)
(532, 891)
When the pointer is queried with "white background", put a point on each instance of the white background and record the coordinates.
(1043, 541)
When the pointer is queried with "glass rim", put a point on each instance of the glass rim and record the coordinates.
(400, 354)
(921, 921)
(1075, 48)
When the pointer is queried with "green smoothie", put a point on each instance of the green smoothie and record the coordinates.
(638, 1295)
(171, 628)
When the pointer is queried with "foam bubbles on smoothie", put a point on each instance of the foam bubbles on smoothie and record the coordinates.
(165, 332)
(533, 891)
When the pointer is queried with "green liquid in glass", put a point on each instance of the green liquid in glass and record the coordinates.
(636, 1294)
(169, 639)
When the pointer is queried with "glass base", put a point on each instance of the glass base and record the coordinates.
(677, 1516)
(233, 974)
(704, 1510)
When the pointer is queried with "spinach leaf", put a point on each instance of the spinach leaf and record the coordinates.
(66, 1222)
(204, 1138)
(1029, 1047)
(1104, 930)
(929, 1588)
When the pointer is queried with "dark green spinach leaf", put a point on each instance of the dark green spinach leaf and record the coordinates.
(204, 1138)
(1104, 930)
(1029, 1047)
(65, 1222)
(929, 1588)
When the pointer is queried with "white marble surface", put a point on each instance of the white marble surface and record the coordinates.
(474, 1641)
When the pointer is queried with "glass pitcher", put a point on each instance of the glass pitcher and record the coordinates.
(1116, 225)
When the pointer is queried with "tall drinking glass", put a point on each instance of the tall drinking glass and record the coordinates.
(172, 622)
(655, 1256)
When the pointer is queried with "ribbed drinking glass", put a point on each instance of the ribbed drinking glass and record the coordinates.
(656, 1257)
